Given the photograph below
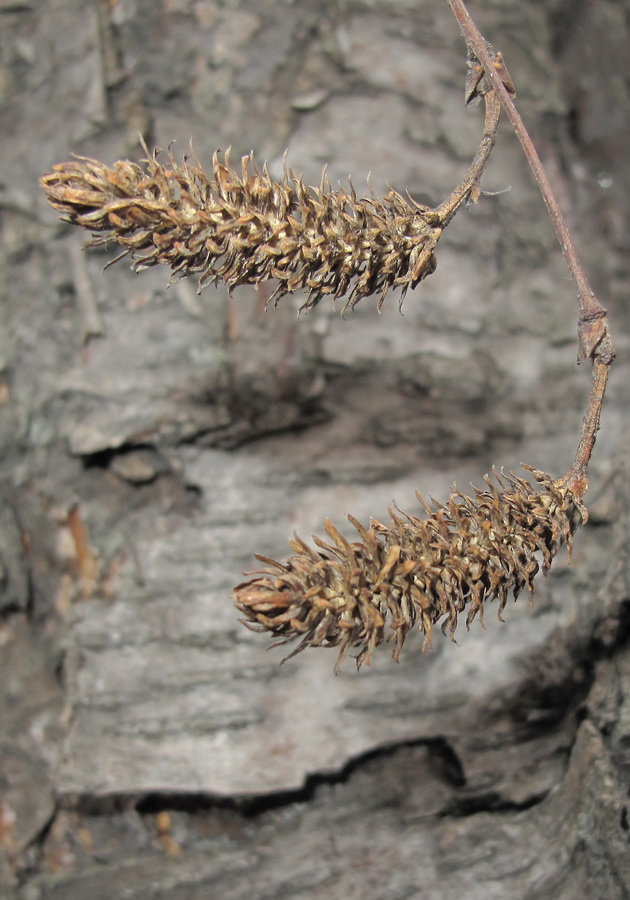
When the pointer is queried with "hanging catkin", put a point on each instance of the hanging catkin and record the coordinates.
(246, 228)
(413, 572)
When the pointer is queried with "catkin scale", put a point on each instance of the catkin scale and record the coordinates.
(246, 228)
(413, 572)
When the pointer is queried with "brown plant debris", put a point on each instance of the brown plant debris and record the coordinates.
(245, 228)
(465, 553)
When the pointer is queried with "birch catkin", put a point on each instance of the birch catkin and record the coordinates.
(413, 572)
(246, 228)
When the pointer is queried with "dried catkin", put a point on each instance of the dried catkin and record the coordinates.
(246, 228)
(414, 571)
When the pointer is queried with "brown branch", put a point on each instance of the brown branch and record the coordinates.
(468, 188)
(576, 479)
(593, 338)
(590, 307)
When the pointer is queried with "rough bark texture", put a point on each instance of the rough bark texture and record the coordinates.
(153, 439)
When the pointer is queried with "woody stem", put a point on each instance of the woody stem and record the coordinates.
(576, 479)
(469, 184)
(593, 338)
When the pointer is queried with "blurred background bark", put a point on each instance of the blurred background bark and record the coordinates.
(154, 439)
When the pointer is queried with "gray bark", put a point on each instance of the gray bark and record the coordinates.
(154, 439)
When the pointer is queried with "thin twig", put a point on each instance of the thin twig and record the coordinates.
(593, 338)
(469, 185)
(590, 307)
(576, 479)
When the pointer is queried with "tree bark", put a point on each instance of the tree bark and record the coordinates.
(153, 439)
